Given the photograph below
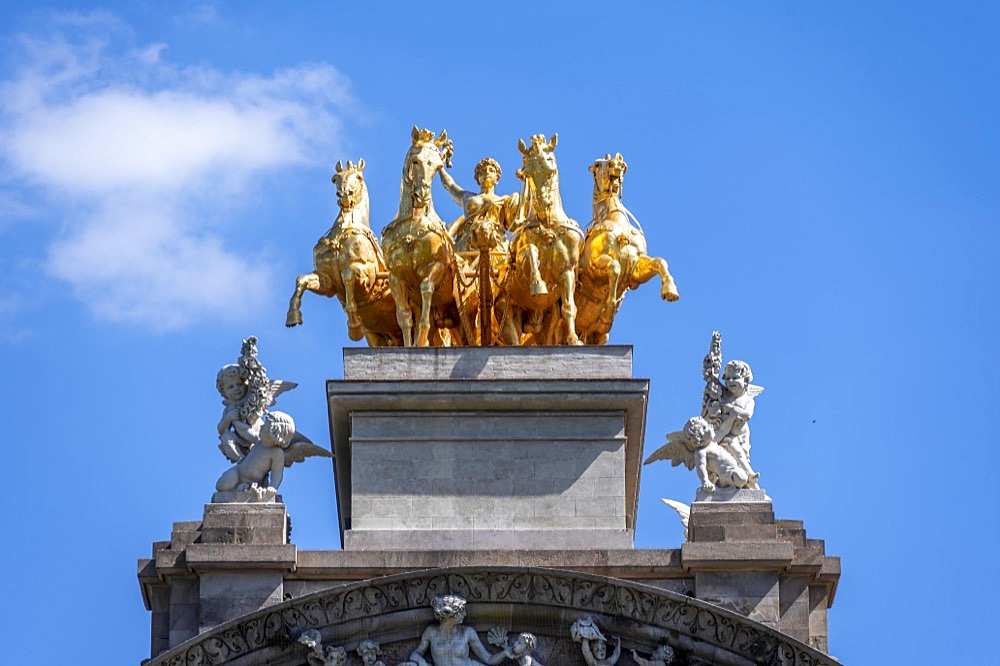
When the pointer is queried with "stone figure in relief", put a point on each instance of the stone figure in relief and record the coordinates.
(370, 651)
(260, 471)
(663, 655)
(450, 643)
(593, 644)
(319, 654)
(697, 448)
(519, 649)
(247, 393)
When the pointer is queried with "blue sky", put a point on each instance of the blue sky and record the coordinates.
(820, 176)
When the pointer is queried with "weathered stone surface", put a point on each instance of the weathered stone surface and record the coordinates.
(394, 611)
(395, 364)
(487, 463)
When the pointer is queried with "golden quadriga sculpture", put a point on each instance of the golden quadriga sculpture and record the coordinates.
(513, 269)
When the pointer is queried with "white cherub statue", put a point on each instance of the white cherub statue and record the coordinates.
(247, 394)
(696, 447)
(262, 469)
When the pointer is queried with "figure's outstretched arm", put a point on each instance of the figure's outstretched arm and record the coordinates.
(456, 192)
(618, 651)
(480, 650)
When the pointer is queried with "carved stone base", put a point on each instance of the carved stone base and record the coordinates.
(744, 560)
(249, 496)
(487, 448)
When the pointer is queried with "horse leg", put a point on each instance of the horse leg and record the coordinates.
(647, 267)
(355, 327)
(538, 287)
(568, 280)
(403, 315)
(308, 281)
(427, 287)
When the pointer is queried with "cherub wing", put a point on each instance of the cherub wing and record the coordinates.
(675, 450)
(682, 509)
(753, 390)
(276, 387)
(302, 448)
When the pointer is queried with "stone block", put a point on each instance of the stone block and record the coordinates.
(754, 594)
(205, 557)
(501, 444)
(606, 362)
(794, 606)
(722, 555)
(706, 532)
(226, 596)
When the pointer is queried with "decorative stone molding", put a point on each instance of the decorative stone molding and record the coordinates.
(396, 609)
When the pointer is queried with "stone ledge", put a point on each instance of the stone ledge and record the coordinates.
(588, 362)
(205, 557)
(484, 539)
(743, 556)
(643, 564)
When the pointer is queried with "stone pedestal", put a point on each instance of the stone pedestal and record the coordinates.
(487, 448)
(744, 560)
(232, 563)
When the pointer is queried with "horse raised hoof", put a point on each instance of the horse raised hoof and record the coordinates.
(294, 318)
(538, 288)
(669, 293)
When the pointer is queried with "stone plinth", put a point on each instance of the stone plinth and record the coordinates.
(766, 569)
(231, 563)
(487, 448)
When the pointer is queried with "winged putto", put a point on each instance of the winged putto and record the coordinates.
(717, 444)
(261, 444)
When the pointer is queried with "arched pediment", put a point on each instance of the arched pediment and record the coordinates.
(395, 610)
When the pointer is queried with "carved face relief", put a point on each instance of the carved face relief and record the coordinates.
(600, 649)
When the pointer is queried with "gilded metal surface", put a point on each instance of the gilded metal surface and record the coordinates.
(614, 257)
(349, 265)
(513, 269)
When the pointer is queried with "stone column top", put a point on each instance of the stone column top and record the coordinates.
(437, 363)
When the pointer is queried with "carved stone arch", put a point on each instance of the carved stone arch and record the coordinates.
(395, 610)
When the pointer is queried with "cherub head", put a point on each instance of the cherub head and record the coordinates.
(737, 376)
(699, 430)
(663, 653)
(278, 430)
(334, 655)
(369, 651)
(524, 644)
(448, 607)
(600, 648)
(231, 383)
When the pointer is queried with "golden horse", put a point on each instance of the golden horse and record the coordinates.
(420, 255)
(539, 281)
(614, 257)
(349, 265)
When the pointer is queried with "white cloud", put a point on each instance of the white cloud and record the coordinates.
(132, 149)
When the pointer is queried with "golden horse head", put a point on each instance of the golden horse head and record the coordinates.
(352, 193)
(608, 176)
(427, 155)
